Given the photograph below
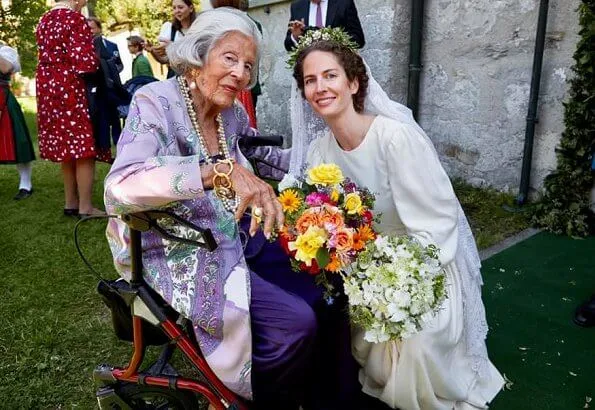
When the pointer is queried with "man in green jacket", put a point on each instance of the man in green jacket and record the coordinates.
(140, 63)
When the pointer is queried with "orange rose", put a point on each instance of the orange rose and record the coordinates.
(332, 217)
(344, 240)
(306, 220)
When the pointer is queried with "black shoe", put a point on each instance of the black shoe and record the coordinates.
(585, 313)
(71, 212)
(23, 193)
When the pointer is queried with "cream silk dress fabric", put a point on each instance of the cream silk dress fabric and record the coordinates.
(414, 195)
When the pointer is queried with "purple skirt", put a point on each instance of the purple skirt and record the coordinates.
(332, 376)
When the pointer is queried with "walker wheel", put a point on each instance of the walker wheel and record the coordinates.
(157, 398)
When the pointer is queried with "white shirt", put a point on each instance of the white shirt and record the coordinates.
(312, 15)
(165, 33)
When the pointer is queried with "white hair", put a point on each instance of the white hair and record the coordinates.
(208, 28)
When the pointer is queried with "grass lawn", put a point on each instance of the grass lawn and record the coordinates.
(531, 292)
(54, 329)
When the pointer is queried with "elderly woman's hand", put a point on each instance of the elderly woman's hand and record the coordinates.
(254, 192)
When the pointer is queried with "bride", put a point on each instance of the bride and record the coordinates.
(378, 144)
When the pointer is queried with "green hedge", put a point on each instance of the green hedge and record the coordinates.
(565, 205)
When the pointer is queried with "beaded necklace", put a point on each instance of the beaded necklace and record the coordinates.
(231, 204)
(194, 120)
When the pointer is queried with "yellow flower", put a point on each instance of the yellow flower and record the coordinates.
(307, 244)
(325, 174)
(334, 195)
(290, 200)
(353, 203)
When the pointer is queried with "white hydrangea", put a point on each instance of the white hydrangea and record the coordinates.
(376, 335)
(394, 288)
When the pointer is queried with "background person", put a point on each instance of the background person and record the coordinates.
(140, 62)
(323, 13)
(15, 141)
(105, 90)
(255, 336)
(66, 55)
(111, 51)
(184, 14)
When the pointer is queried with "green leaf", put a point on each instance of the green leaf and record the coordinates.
(323, 257)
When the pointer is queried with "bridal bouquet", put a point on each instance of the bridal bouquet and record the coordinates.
(328, 221)
(393, 287)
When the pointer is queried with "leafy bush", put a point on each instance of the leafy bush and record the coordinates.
(565, 208)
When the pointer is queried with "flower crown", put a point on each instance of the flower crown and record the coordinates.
(335, 34)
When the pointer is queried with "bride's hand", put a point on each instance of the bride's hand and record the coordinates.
(257, 194)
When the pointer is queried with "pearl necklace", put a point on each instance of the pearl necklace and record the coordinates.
(230, 204)
(194, 120)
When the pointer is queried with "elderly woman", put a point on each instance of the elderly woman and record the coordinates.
(179, 151)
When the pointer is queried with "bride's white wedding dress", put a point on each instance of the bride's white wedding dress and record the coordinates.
(445, 366)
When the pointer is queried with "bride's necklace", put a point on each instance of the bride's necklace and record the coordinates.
(194, 120)
(230, 204)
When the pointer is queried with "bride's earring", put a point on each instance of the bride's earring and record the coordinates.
(192, 85)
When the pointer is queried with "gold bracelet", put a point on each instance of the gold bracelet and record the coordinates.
(228, 162)
(222, 182)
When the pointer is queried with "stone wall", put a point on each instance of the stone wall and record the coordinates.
(477, 60)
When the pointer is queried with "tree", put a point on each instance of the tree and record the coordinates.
(565, 206)
(18, 20)
(145, 15)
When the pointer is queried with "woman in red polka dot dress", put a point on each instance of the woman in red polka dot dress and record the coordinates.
(66, 54)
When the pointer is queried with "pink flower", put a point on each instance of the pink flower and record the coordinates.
(317, 199)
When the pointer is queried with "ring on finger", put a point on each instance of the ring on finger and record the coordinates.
(257, 213)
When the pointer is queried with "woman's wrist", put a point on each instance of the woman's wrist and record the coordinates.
(222, 183)
(206, 174)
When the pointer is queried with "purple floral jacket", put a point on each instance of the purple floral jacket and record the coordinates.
(157, 166)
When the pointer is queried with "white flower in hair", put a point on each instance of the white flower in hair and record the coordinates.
(335, 34)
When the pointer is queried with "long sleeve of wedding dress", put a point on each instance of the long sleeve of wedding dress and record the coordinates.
(421, 191)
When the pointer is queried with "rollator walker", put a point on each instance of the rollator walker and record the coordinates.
(141, 316)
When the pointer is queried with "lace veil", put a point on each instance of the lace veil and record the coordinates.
(307, 126)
